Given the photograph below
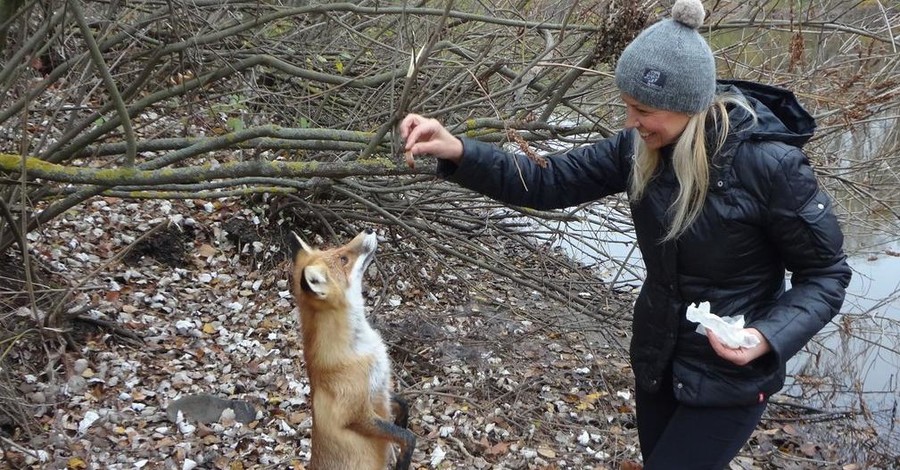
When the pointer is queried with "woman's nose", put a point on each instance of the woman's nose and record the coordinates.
(631, 121)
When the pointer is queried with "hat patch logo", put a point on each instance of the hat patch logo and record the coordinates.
(654, 78)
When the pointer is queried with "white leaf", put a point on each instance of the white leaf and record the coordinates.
(584, 438)
(437, 456)
(183, 426)
(89, 418)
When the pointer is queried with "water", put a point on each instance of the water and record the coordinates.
(854, 363)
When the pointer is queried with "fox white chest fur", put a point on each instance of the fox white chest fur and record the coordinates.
(367, 342)
(347, 362)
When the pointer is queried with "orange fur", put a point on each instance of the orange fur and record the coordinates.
(346, 360)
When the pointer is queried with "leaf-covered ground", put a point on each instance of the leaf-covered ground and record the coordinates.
(497, 376)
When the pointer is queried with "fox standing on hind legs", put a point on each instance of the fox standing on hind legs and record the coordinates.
(347, 362)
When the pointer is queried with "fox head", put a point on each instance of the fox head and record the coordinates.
(332, 276)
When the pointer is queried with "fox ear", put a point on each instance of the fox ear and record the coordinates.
(314, 280)
(297, 243)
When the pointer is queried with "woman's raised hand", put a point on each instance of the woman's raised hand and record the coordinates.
(427, 136)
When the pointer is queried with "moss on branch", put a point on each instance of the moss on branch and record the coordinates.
(109, 177)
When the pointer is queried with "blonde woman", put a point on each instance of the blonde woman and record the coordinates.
(724, 202)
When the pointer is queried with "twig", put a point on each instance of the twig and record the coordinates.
(820, 415)
(416, 63)
(461, 446)
(19, 448)
(111, 87)
(130, 337)
(7, 216)
(524, 279)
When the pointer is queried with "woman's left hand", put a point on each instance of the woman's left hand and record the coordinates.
(740, 356)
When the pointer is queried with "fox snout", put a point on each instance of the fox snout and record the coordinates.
(369, 245)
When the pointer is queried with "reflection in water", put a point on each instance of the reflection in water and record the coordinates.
(854, 363)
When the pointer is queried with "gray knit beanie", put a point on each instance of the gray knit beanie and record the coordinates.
(669, 65)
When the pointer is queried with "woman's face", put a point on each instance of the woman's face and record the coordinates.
(657, 127)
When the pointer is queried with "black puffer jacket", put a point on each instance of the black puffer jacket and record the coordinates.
(764, 214)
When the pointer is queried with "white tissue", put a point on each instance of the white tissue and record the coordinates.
(729, 329)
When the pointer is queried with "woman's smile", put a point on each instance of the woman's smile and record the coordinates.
(657, 127)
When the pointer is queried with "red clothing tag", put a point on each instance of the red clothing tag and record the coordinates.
(762, 397)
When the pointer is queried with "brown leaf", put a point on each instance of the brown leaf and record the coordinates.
(630, 465)
(546, 452)
(165, 442)
(297, 417)
(624, 408)
(96, 391)
(808, 449)
(206, 250)
(498, 448)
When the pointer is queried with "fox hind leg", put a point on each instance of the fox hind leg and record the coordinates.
(387, 430)
(406, 450)
(400, 411)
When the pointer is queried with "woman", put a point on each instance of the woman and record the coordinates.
(723, 202)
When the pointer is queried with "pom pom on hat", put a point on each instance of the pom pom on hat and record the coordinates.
(689, 13)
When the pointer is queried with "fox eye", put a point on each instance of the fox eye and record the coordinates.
(344, 260)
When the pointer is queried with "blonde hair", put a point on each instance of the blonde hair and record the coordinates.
(690, 160)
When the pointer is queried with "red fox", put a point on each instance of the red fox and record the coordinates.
(347, 362)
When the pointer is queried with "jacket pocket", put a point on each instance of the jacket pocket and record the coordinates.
(821, 225)
(816, 208)
(702, 383)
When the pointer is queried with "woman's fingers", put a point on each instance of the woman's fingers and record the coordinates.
(733, 355)
(427, 136)
(411, 128)
(421, 132)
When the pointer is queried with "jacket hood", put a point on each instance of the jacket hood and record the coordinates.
(780, 117)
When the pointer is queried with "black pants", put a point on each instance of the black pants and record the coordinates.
(679, 437)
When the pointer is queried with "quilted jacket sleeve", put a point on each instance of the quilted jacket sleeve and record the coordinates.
(581, 175)
(805, 231)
